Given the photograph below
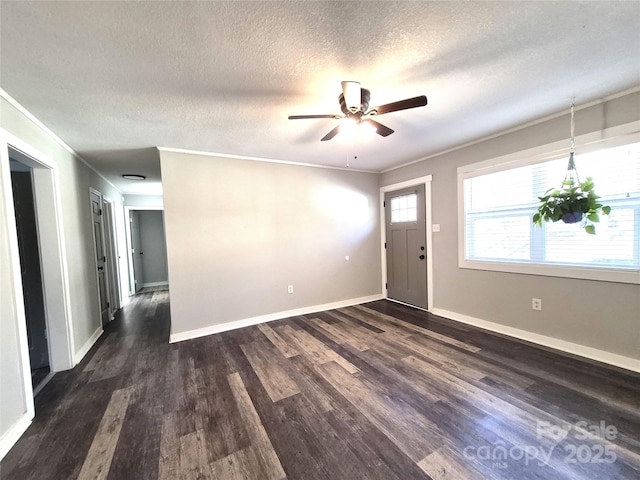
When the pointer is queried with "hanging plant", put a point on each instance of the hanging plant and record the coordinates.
(574, 201)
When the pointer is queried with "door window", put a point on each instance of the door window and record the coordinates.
(404, 208)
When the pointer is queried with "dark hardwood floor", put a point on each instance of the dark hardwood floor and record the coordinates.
(378, 391)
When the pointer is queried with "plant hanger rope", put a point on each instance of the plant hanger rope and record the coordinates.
(574, 201)
(572, 178)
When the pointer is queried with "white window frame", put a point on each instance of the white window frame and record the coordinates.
(610, 137)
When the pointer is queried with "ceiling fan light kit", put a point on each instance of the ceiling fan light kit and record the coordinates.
(367, 129)
(351, 91)
(354, 104)
(348, 126)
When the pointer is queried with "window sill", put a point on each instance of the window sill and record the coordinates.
(617, 275)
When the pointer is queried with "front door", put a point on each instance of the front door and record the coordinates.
(406, 245)
(98, 238)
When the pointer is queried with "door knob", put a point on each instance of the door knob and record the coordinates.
(421, 257)
(100, 268)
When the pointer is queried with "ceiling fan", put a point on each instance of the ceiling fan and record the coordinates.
(354, 103)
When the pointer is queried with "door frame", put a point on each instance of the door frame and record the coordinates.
(426, 181)
(53, 257)
(53, 262)
(127, 226)
(44, 381)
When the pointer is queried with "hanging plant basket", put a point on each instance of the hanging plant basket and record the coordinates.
(572, 203)
(572, 217)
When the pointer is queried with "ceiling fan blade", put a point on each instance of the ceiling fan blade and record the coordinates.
(301, 117)
(414, 102)
(331, 134)
(382, 130)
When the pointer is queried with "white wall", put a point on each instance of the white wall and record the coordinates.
(599, 315)
(75, 179)
(240, 231)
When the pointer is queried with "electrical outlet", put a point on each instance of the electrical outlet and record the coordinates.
(435, 227)
(290, 289)
(536, 303)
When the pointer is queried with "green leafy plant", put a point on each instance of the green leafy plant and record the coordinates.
(571, 203)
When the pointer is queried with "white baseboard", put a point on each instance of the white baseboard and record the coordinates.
(609, 358)
(155, 284)
(247, 322)
(79, 355)
(11, 436)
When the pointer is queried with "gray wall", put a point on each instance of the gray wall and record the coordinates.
(602, 315)
(154, 260)
(75, 178)
(244, 230)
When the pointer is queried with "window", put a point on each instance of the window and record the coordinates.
(404, 208)
(498, 204)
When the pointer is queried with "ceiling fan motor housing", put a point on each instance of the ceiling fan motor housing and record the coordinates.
(365, 96)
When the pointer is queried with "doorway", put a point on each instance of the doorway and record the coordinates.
(54, 278)
(147, 250)
(51, 248)
(31, 271)
(407, 265)
(406, 245)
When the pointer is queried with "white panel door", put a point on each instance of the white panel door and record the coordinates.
(101, 258)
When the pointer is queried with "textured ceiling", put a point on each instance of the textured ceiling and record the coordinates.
(115, 79)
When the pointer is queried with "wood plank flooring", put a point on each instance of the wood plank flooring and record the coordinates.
(375, 391)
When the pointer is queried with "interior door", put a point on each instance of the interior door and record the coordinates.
(136, 251)
(406, 247)
(101, 258)
(112, 257)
